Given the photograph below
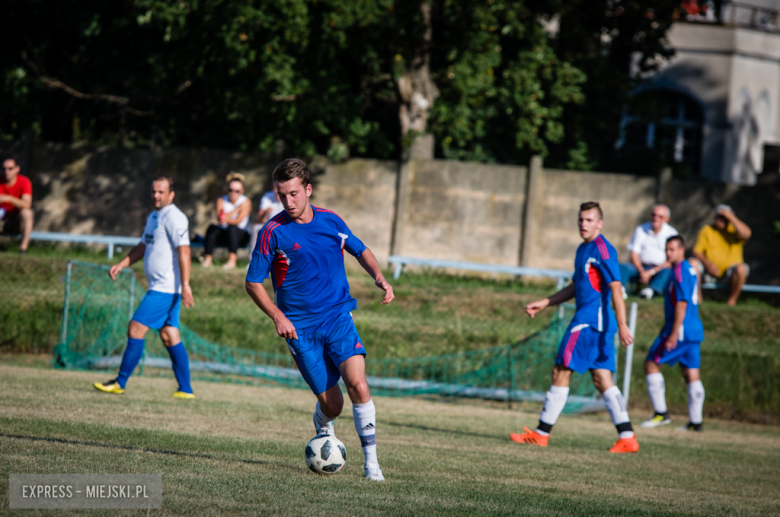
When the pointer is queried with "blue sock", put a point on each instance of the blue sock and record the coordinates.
(133, 353)
(181, 366)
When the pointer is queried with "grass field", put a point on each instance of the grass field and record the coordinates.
(239, 450)
(433, 314)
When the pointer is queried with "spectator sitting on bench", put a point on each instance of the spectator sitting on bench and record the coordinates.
(269, 207)
(718, 252)
(233, 222)
(16, 215)
(648, 254)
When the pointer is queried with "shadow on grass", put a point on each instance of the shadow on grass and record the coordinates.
(420, 427)
(142, 449)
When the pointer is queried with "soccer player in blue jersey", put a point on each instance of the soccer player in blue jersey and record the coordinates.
(679, 341)
(588, 342)
(165, 250)
(302, 249)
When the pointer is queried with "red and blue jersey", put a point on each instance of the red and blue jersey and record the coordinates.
(683, 287)
(306, 265)
(595, 267)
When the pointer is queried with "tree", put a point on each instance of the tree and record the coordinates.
(339, 77)
(604, 38)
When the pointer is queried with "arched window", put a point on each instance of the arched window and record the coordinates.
(668, 122)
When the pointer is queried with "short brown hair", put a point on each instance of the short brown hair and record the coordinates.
(590, 205)
(291, 168)
(677, 238)
(165, 177)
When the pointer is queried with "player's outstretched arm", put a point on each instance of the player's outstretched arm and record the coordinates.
(620, 313)
(369, 263)
(284, 326)
(184, 268)
(136, 254)
(564, 295)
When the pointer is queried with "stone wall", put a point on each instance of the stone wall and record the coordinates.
(425, 208)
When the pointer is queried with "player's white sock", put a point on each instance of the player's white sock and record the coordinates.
(554, 402)
(695, 401)
(321, 420)
(657, 390)
(616, 406)
(365, 425)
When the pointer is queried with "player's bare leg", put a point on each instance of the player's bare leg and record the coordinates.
(329, 406)
(695, 399)
(180, 361)
(353, 371)
(616, 407)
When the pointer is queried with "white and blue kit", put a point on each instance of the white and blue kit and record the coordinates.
(306, 265)
(683, 287)
(166, 229)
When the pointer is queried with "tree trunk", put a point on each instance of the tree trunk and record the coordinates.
(418, 92)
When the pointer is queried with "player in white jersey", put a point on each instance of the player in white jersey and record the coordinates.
(165, 250)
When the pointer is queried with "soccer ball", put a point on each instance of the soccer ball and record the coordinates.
(325, 454)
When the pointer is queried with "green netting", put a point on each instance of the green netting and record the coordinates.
(97, 309)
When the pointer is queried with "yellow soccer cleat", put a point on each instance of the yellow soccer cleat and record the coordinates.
(109, 387)
(183, 395)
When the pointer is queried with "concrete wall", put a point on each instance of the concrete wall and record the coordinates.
(435, 209)
(463, 211)
(625, 200)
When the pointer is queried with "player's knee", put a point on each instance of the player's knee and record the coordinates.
(359, 393)
(742, 270)
(650, 367)
(136, 330)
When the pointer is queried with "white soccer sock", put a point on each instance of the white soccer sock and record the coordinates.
(657, 390)
(365, 425)
(616, 405)
(322, 419)
(554, 402)
(695, 401)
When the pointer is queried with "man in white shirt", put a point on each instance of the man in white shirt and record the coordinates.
(165, 250)
(648, 254)
(269, 207)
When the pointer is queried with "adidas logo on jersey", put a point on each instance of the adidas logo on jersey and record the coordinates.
(369, 427)
(297, 247)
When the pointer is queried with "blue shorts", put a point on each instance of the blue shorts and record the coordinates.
(158, 310)
(320, 349)
(687, 353)
(583, 349)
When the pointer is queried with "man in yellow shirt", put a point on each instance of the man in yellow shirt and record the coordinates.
(718, 251)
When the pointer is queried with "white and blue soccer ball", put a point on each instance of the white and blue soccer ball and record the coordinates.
(325, 454)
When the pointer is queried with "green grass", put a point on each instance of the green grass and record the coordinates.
(239, 450)
(433, 314)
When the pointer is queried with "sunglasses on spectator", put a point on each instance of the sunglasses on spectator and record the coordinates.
(238, 191)
(657, 216)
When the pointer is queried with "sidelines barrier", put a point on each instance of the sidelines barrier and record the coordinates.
(96, 311)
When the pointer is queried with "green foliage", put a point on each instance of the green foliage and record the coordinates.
(321, 76)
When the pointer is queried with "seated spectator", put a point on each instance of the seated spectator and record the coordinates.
(233, 222)
(16, 215)
(718, 251)
(269, 207)
(648, 254)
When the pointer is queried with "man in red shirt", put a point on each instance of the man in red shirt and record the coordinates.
(16, 215)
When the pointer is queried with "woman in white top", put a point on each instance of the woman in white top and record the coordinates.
(232, 230)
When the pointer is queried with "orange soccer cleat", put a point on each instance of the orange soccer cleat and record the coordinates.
(531, 437)
(624, 445)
